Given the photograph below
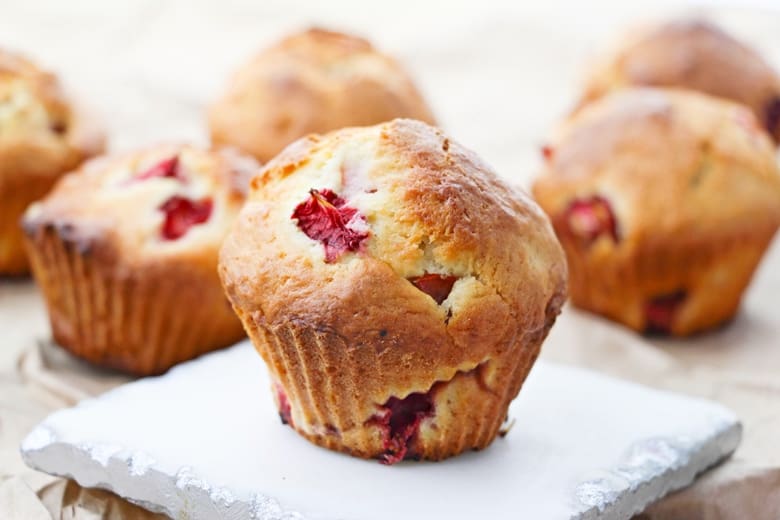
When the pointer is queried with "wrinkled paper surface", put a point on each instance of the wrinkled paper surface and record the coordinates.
(497, 76)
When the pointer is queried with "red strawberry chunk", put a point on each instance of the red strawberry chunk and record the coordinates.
(182, 213)
(325, 217)
(661, 311)
(168, 168)
(400, 422)
(589, 219)
(772, 118)
(436, 286)
(285, 410)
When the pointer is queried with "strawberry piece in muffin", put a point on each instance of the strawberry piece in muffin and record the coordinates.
(285, 411)
(660, 312)
(182, 213)
(590, 218)
(325, 217)
(167, 168)
(400, 422)
(436, 286)
(772, 117)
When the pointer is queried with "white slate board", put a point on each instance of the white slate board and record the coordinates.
(205, 441)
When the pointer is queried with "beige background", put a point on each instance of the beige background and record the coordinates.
(498, 75)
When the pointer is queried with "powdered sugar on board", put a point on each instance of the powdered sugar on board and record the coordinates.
(205, 441)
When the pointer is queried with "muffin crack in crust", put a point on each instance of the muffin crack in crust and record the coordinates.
(458, 271)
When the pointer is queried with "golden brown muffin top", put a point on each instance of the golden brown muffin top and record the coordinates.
(435, 262)
(166, 201)
(692, 54)
(314, 81)
(40, 132)
(667, 163)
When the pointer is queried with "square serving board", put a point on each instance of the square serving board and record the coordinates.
(205, 441)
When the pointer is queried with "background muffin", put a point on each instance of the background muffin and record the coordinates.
(125, 252)
(664, 202)
(397, 289)
(311, 82)
(41, 137)
(692, 54)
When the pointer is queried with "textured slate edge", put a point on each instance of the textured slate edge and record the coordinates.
(652, 469)
(117, 470)
(616, 494)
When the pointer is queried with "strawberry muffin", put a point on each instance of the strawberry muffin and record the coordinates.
(397, 289)
(665, 202)
(696, 55)
(125, 252)
(42, 136)
(315, 81)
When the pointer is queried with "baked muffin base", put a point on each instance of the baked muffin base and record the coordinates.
(466, 411)
(701, 278)
(129, 320)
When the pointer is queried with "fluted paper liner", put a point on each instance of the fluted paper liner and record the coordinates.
(714, 276)
(327, 394)
(134, 321)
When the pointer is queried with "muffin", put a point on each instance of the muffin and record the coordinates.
(125, 252)
(42, 136)
(696, 55)
(397, 289)
(311, 82)
(664, 201)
